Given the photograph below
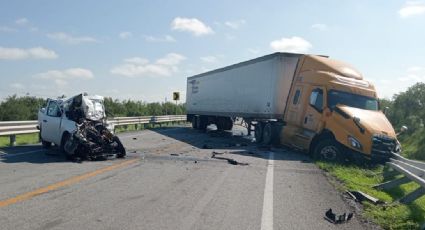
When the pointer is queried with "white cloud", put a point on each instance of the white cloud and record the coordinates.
(21, 21)
(192, 25)
(141, 67)
(166, 38)
(34, 53)
(293, 44)
(235, 24)
(209, 59)
(320, 26)
(64, 37)
(7, 29)
(412, 8)
(125, 35)
(17, 86)
(61, 77)
(414, 74)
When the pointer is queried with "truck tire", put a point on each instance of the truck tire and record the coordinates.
(194, 122)
(259, 132)
(267, 133)
(203, 123)
(328, 150)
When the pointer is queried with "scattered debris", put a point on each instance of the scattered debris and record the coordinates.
(229, 160)
(196, 162)
(217, 153)
(361, 196)
(174, 154)
(134, 138)
(333, 218)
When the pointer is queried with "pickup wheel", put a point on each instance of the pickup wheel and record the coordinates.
(65, 138)
(259, 132)
(46, 144)
(328, 150)
(120, 148)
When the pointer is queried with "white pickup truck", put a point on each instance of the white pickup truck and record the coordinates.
(78, 126)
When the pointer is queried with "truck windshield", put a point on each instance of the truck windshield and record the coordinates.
(353, 100)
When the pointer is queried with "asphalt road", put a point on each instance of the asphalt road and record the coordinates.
(168, 181)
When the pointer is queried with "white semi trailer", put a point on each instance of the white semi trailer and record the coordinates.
(256, 90)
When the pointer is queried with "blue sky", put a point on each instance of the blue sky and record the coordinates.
(145, 50)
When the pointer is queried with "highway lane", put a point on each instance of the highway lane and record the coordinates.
(168, 181)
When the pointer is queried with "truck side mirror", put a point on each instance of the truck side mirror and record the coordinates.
(43, 110)
(402, 130)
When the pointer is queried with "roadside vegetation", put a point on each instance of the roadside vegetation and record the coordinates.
(392, 215)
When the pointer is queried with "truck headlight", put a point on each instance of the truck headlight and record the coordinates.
(354, 143)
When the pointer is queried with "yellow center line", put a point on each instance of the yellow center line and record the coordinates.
(70, 181)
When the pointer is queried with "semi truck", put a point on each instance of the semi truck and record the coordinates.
(309, 102)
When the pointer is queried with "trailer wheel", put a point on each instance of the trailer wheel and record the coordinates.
(267, 133)
(258, 132)
(203, 123)
(328, 150)
(194, 122)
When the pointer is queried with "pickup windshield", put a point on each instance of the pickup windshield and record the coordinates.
(353, 100)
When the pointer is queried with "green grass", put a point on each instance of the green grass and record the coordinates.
(391, 216)
(31, 138)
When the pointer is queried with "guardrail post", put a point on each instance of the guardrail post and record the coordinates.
(413, 196)
(136, 126)
(12, 140)
(393, 183)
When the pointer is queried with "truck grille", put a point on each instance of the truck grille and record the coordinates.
(383, 146)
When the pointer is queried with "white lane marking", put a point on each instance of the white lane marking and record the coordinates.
(267, 217)
(18, 154)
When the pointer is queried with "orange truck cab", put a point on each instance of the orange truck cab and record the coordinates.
(333, 113)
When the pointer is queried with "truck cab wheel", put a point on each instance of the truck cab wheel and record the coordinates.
(328, 150)
(267, 133)
(258, 132)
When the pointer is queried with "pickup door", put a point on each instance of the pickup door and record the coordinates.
(50, 123)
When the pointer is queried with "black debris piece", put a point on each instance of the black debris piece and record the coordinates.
(174, 154)
(229, 160)
(134, 138)
(361, 196)
(217, 153)
(196, 162)
(338, 219)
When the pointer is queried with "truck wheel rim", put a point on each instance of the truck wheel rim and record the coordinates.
(329, 152)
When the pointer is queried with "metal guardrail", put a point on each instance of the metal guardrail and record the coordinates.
(412, 171)
(13, 128)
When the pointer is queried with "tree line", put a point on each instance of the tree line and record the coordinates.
(15, 108)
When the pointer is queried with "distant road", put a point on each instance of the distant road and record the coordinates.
(168, 181)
